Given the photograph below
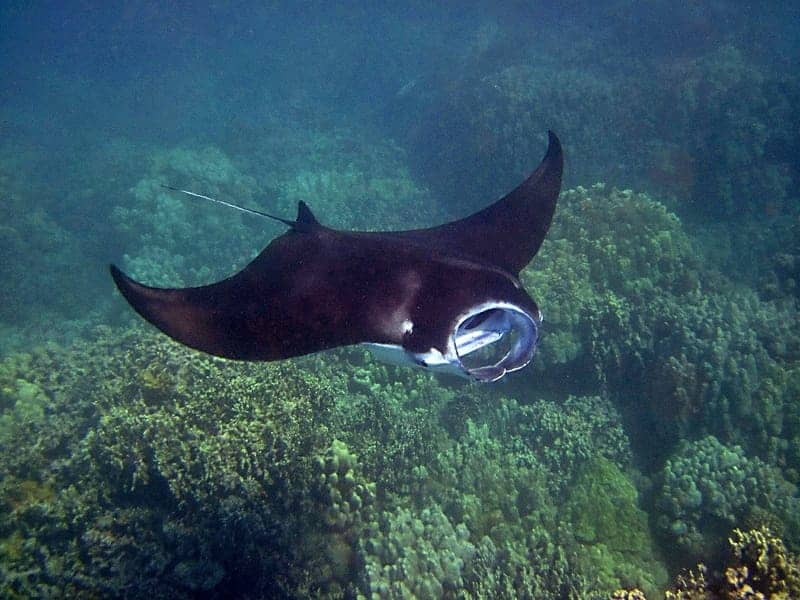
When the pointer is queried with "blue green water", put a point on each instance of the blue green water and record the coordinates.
(662, 411)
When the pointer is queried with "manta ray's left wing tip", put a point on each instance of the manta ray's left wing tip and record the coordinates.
(206, 318)
(118, 276)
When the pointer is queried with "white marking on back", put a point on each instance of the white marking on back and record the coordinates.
(397, 322)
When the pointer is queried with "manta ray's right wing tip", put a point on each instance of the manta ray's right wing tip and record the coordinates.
(554, 151)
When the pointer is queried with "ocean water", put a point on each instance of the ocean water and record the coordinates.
(657, 429)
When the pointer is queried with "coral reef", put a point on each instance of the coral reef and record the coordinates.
(631, 253)
(39, 256)
(346, 500)
(610, 256)
(175, 473)
(562, 436)
(143, 468)
(669, 371)
(538, 567)
(707, 488)
(406, 436)
(172, 240)
(634, 309)
(481, 134)
(733, 119)
(314, 468)
(415, 555)
(506, 477)
(350, 180)
(758, 567)
(499, 471)
(350, 177)
(602, 512)
(709, 126)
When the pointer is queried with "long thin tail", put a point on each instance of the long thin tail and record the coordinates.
(244, 209)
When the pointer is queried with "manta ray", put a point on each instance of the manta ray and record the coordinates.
(447, 298)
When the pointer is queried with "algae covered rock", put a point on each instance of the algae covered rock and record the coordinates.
(611, 531)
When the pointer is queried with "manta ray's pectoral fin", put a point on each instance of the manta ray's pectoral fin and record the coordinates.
(198, 317)
(509, 232)
(247, 316)
(296, 297)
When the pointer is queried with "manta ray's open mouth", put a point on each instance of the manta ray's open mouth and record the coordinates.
(494, 339)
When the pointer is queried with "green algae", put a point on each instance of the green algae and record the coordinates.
(611, 530)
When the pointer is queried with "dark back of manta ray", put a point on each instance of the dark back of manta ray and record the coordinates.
(314, 287)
